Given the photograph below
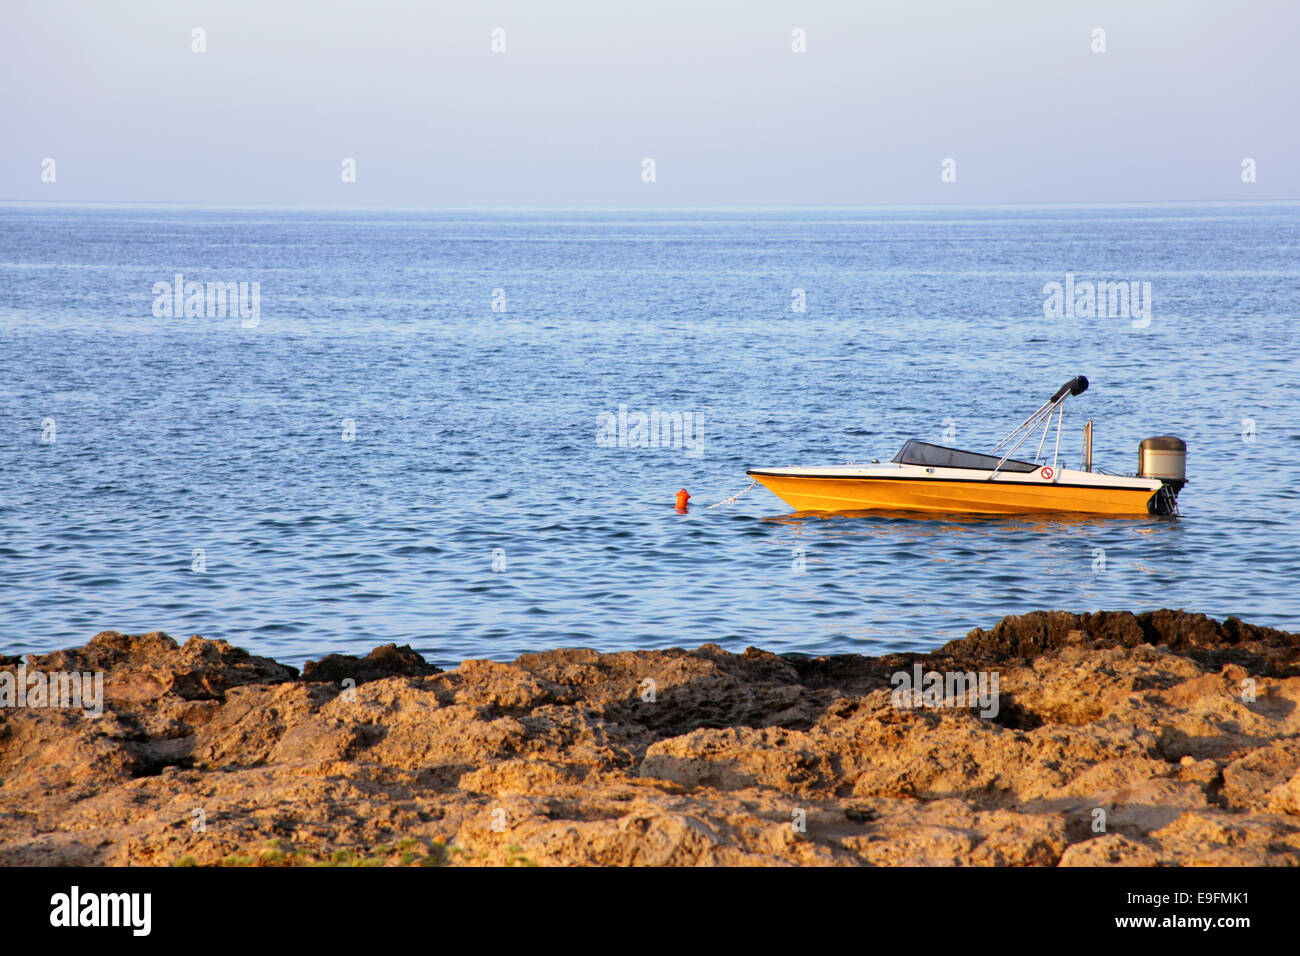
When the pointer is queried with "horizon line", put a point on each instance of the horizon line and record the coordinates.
(270, 204)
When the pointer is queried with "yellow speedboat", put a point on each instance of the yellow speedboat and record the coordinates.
(931, 478)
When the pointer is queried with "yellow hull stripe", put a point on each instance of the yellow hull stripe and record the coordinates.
(938, 495)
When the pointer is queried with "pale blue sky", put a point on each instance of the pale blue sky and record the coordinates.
(711, 90)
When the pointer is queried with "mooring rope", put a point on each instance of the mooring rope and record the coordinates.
(733, 497)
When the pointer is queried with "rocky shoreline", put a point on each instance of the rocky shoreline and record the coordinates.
(1164, 738)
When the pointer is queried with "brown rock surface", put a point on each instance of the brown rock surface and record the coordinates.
(1120, 739)
(387, 661)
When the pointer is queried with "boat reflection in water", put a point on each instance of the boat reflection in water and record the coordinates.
(955, 572)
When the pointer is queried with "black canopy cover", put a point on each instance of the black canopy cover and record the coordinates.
(917, 452)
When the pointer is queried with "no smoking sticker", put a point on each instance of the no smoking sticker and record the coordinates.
(1046, 472)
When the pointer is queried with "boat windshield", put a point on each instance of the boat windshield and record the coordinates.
(917, 452)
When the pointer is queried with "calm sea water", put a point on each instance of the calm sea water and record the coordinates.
(476, 430)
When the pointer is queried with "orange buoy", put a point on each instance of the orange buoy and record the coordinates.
(683, 496)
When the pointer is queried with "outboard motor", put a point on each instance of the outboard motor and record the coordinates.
(1164, 457)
